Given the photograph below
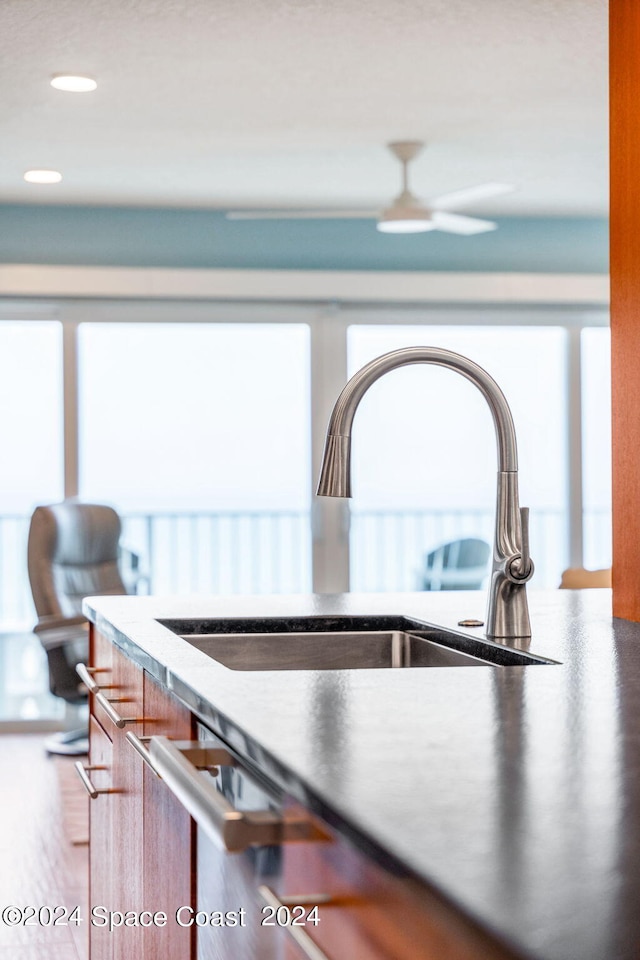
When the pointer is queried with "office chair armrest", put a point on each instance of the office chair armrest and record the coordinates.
(54, 631)
(46, 623)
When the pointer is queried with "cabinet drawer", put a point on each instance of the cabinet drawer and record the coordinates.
(101, 814)
(101, 664)
(120, 682)
(128, 691)
(101, 653)
(372, 914)
(168, 835)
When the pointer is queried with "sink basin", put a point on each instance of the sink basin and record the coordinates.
(342, 643)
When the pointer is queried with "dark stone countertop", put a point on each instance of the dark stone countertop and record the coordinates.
(513, 792)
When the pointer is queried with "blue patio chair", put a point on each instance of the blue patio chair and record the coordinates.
(458, 565)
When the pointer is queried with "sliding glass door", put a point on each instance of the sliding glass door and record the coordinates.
(199, 421)
(31, 439)
(424, 450)
(199, 434)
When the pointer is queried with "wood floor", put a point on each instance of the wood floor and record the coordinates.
(38, 865)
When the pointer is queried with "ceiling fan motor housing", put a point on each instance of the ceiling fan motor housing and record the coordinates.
(406, 215)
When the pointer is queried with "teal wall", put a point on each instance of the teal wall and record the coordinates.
(153, 237)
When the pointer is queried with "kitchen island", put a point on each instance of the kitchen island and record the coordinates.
(511, 794)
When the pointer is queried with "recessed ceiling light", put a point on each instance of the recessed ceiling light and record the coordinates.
(73, 83)
(43, 176)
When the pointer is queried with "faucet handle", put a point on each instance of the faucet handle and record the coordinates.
(521, 568)
(524, 524)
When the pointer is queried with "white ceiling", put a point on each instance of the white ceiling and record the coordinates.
(225, 103)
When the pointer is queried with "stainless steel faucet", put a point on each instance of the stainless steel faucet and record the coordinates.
(508, 613)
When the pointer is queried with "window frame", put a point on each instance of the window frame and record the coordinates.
(328, 323)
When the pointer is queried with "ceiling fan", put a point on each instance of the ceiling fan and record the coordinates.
(407, 213)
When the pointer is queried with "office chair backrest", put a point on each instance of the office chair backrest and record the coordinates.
(72, 553)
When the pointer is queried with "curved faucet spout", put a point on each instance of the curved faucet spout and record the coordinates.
(507, 615)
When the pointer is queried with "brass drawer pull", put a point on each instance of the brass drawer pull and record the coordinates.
(178, 763)
(310, 949)
(83, 773)
(138, 744)
(112, 713)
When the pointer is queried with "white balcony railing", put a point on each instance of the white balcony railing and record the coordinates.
(270, 551)
(222, 553)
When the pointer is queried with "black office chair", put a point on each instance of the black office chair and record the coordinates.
(73, 552)
(458, 565)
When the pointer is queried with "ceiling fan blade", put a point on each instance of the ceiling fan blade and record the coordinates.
(301, 214)
(454, 223)
(460, 198)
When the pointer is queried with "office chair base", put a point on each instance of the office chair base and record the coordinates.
(72, 743)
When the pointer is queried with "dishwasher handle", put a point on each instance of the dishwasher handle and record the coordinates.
(179, 763)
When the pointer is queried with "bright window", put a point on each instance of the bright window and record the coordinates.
(199, 433)
(31, 439)
(596, 446)
(31, 428)
(425, 450)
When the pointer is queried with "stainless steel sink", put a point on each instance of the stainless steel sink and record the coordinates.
(342, 643)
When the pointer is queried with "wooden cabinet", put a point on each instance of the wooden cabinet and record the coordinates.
(369, 913)
(102, 819)
(141, 839)
(115, 875)
(624, 90)
(169, 834)
(101, 661)
(147, 854)
(127, 829)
